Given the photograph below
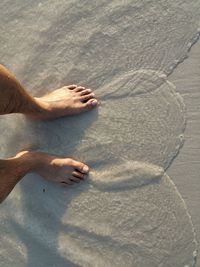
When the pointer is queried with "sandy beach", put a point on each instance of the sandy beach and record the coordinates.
(185, 168)
(140, 204)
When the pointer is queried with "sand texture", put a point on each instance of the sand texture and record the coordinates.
(185, 170)
(128, 212)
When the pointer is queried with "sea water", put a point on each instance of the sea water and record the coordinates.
(128, 212)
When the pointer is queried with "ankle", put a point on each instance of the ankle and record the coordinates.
(27, 161)
(12, 170)
(40, 109)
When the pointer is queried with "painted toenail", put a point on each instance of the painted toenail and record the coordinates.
(85, 169)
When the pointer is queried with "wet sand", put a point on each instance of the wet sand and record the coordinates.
(185, 170)
(129, 209)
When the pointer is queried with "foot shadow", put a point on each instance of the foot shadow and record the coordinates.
(44, 203)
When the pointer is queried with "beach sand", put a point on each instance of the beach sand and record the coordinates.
(129, 212)
(185, 170)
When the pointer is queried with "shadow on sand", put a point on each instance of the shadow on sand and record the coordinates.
(44, 203)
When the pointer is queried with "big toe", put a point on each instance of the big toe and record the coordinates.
(81, 167)
(91, 103)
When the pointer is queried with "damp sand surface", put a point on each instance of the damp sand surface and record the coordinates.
(185, 169)
(129, 212)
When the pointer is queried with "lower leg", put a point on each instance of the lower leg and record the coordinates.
(11, 172)
(64, 171)
(67, 100)
(13, 97)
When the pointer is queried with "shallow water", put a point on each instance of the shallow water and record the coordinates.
(129, 211)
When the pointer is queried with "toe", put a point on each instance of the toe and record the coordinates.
(79, 89)
(80, 167)
(72, 86)
(87, 97)
(86, 92)
(91, 103)
(78, 175)
(75, 179)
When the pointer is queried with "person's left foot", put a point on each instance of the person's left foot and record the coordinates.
(64, 171)
(68, 100)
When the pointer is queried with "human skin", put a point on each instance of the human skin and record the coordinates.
(68, 100)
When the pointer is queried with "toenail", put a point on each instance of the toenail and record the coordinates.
(85, 169)
(94, 102)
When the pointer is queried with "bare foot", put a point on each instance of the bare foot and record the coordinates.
(64, 171)
(68, 100)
